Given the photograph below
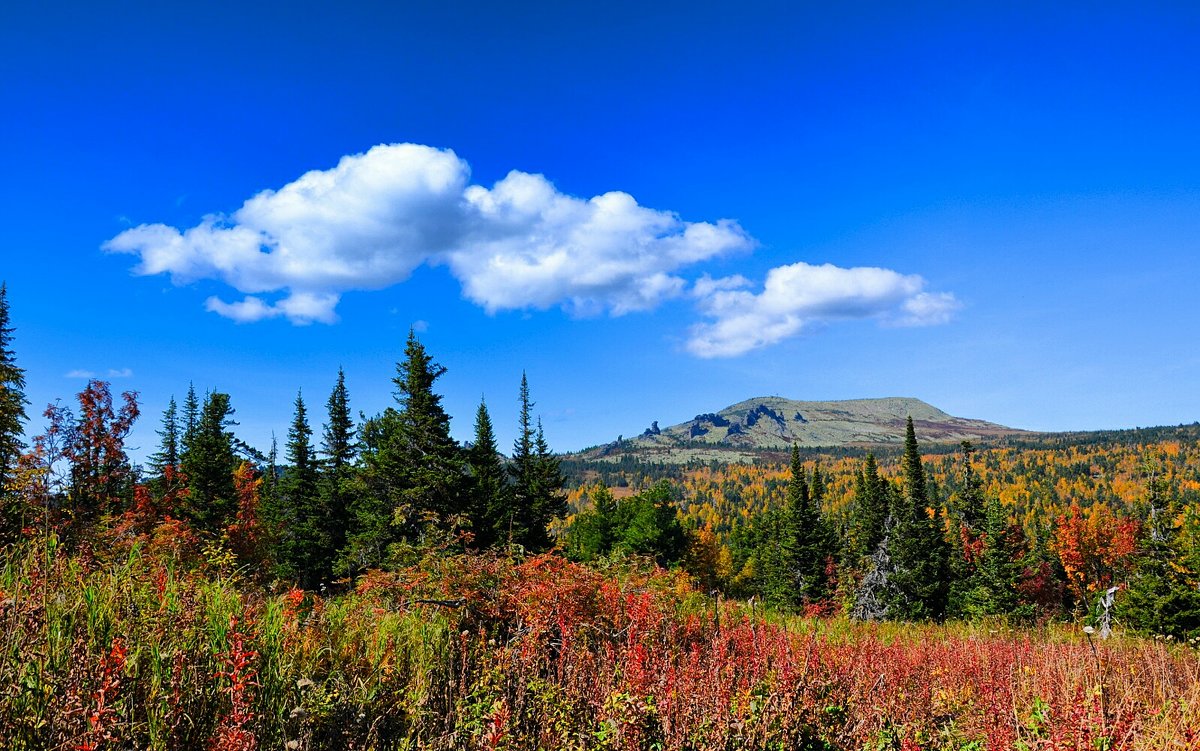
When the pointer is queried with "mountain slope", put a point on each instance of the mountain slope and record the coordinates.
(772, 422)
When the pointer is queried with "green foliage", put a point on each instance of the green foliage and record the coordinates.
(593, 533)
(413, 471)
(339, 451)
(12, 401)
(209, 463)
(298, 518)
(537, 488)
(869, 511)
(917, 547)
(646, 524)
(168, 449)
(1164, 595)
(489, 494)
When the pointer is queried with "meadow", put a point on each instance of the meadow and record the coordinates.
(123, 646)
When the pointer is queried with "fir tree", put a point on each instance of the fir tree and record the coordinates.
(303, 543)
(869, 513)
(1164, 596)
(12, 401)
(209, 465)
(994, 590)
(917, 548)
(807, 539)
(489, 496)
(338, 452)
(191, 419)
(520, 515)
(412, 469)
(549, 500)
(537, 481)
(168, 448)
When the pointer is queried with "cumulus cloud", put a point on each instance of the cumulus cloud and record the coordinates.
(369, 222)
(798, 295)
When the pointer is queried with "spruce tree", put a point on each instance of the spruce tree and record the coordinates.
(994, 590)
(869, 513)
(520, 516)
(538, 481)
(413, 471)
(918, 547)
(429, 461)
(1164, 594)
(168, 447)
(209, 465)
(303, 544)
(489, 495)
(190, 421)
(807, 540)
(12, 400)
(549, 502)
(338, 452)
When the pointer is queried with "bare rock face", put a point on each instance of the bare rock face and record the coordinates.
(772, 422)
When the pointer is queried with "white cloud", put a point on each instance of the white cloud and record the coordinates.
(90, 374)
(800, 294)
(371, 220)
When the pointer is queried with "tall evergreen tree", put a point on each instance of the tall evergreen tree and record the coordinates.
(918, 547)
(869, 513)
(994, 590)
(807, 542)
(549, 500)
(168, 447)
(190, 420)
(1164, 595)
(303, 549)
(412, 469)
(489, 495)
(537, 480)
(520, 516)
(338, 452)
(209, 465)
(12, 400)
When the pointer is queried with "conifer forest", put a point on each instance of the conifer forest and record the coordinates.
(372, 583)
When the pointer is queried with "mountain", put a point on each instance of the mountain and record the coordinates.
(772, 422)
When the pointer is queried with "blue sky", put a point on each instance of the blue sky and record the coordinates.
(654, 211)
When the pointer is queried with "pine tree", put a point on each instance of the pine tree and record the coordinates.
(966, 522)
(168, 450)
(549, 502)
(807, 539)
(413, 471)
(338, 451)
(869, 513)
(12, 401)
(1164, 595)
(191, 420)
(537, 481)
(994, 590)
(430, 461)
(918, 547)
(210, 464)
(520, 516)
(303, 543)
(489, 495)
